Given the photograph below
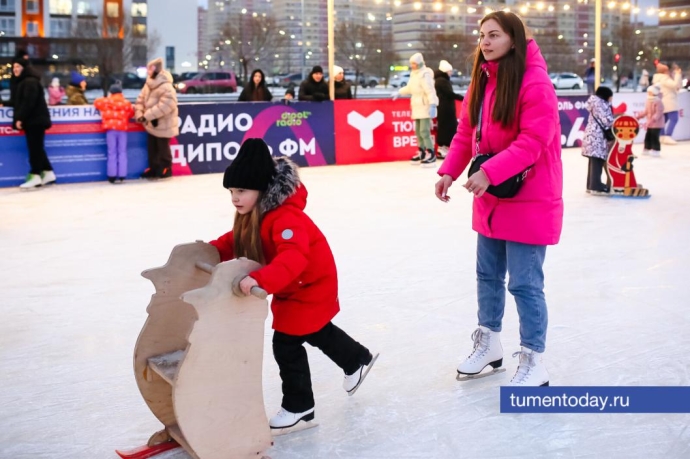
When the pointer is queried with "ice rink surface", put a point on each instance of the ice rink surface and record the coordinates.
(618, 290)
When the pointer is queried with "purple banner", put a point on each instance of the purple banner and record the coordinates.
(573, 116)
(211, 134)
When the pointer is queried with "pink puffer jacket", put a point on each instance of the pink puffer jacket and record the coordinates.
(535, 214)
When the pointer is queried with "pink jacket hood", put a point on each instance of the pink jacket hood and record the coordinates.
(535, 215)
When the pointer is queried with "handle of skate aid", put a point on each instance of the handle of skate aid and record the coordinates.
(256, 291)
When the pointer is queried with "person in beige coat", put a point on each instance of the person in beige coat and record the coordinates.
(423, 103)
(670, 85)
(156, 109)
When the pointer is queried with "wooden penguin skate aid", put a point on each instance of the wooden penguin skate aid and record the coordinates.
(198, 359)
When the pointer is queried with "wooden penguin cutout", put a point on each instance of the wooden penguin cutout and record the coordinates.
(619, 165)
(199, 357)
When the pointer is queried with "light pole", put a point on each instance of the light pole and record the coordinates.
(301, 43)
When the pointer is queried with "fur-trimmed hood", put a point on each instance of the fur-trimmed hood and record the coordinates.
(285, 188)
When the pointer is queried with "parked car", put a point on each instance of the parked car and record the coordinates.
(209, 82)
(400, 80)
(365, 81)
(184, 76)
(129, 80)
(566, 81)
(284, 81)
(460, 80)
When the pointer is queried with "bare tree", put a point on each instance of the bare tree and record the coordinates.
(629, 46)
(355, 48)
(560, 56)
(110, 55)
(251, 39)
(456, 48)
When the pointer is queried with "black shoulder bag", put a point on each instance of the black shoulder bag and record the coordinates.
(507, 189)
(608, 133)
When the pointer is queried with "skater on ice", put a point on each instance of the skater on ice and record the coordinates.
(298, 269)
(521, 132)
(595, 144)
(654, 115)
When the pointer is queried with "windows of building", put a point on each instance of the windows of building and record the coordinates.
(139, 10)
(7, 27)
(85, 9)
(63, 7)
(6, 6)
(139, 30)
(112, 10)
(7, 49)
(32, 29)
(32, 6)
(60, 27)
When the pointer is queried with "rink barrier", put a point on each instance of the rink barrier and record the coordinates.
(310, 134)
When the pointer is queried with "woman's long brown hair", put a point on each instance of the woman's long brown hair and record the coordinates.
(246, 233)
(510, 72)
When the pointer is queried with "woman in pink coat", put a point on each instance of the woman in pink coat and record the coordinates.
(513, 96)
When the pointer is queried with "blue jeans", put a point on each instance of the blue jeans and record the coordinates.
(523, 263)
(670, 119)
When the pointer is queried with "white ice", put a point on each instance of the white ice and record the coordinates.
(618, 290)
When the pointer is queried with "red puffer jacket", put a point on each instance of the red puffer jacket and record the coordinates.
(116, 111)
(300, 270)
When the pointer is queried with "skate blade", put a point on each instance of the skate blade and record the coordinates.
(364, 375)
(302, 425)
(464, 377)
(144, 452)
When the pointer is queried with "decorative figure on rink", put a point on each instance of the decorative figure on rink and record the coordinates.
(619, 166)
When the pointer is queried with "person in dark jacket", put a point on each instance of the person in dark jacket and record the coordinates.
(256, 90)
(343, 88)
(14, 80)
(447, 118)
(31, 116)
(314, 88)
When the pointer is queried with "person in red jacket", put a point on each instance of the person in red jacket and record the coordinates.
(116, 111)
(298, 269)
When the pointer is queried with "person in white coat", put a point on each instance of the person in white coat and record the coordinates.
(670, 85)
(423, 103)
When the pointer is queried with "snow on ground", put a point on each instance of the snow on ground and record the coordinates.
(73, 303)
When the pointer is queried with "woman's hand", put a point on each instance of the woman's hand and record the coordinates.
(477, 183)
(246, 285)
(442, 187)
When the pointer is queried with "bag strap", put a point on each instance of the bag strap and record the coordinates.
(598, 122)
(478, 130)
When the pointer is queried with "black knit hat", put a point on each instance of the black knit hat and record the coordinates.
(21, 61)
(604, 93)
(316, 69)
(253, 169)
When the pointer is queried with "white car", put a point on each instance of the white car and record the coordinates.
(400, 80)
(566, 81)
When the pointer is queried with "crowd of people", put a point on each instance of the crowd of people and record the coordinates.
(430, 91)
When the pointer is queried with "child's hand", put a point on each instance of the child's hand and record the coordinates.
(246, 285)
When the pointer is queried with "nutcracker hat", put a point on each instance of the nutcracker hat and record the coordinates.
(252, 169)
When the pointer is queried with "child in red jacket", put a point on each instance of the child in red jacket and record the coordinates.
(299, 270)
(116, 111)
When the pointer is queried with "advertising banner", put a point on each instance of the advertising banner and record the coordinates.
(211, 134)
(75, 146)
